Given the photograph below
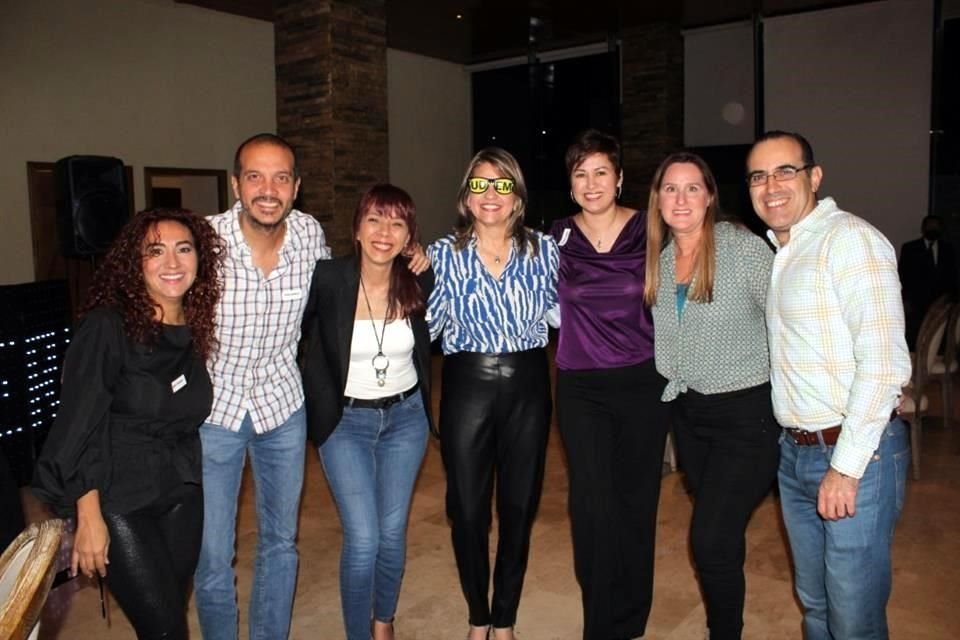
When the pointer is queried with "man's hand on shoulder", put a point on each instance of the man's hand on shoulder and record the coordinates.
(419, 262)
(837, 497)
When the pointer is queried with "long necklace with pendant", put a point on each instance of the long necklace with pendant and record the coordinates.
(380, 361)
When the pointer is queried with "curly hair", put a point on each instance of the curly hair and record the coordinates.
(119, 283)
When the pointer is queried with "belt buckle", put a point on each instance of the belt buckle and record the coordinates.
(394, 399)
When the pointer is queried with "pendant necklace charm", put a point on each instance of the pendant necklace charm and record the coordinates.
(380, 361)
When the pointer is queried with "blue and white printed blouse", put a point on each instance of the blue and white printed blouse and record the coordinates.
(480, 314)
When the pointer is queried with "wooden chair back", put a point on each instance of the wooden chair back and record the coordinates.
(26, 571)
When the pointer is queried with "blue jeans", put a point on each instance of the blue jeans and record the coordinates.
(371, 461)
(277, 457)
(842, 567)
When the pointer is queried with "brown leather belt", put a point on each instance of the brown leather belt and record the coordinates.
(828, 435)
(810, 438)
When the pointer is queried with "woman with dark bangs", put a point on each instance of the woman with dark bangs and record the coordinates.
(124, 452)
(367, 385)
(609, 413)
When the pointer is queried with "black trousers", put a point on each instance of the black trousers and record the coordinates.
(494, 421)
(153, 553)
(614, 428)
(727, 445)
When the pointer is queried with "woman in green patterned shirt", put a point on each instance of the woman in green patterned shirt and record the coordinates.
(708, 293)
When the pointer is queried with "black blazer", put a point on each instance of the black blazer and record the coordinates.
(327, 334)
(921, 279)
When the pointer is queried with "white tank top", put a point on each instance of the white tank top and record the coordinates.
(397, 346)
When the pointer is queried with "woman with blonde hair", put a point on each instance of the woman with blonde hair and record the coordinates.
(495, 282)
(707, 283)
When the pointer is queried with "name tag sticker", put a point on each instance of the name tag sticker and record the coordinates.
(564, 237)
(179, 383)
(291, 294)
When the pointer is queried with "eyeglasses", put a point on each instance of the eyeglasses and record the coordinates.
(503, 186)
(780, 174)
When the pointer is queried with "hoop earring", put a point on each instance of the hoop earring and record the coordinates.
(619, 189)
(571, 196)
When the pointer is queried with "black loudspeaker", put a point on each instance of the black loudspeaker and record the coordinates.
(92, 203)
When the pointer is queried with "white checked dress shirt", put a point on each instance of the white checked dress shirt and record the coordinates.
(835, 324)
(258, 324)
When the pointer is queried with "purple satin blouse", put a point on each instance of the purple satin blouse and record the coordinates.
(604, 322)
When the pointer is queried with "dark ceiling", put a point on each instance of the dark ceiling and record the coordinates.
(470, 31)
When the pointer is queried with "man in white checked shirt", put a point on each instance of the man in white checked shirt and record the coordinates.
(838, 362)
(258, 396)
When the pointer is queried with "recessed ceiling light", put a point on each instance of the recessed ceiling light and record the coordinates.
(459, 16)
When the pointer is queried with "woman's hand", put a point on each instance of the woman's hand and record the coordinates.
(92, 540)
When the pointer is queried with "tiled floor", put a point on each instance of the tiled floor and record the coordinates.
(925, 604)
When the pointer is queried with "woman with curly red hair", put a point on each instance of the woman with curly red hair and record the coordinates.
(124, 452)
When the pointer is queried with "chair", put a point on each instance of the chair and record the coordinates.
(26, 571)
(670, 452)
(942, 368)
(912, 412)
(926, 359)
(940, 325)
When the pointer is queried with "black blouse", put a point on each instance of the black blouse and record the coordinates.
(128, 421)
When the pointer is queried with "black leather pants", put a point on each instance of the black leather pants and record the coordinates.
(153, 552)
(494, 420)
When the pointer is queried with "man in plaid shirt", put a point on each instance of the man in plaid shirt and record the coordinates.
(258, 396)
(838, 360)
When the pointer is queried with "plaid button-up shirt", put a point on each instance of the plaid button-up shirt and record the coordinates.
(258, 324)
(835, 324)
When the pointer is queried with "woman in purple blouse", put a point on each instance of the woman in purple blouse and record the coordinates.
(611, 419)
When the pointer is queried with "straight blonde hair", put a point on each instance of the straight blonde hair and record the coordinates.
(659, 234)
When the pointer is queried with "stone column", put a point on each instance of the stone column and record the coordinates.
(652, 124)
(331, 61)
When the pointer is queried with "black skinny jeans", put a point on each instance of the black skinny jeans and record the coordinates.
(727, 445)
(153, 552)
(614, 428)
(494, 420)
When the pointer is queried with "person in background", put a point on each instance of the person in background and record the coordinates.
(123, 454)
(707, 283)
(612, 422)
(928, 270)
(495, 283)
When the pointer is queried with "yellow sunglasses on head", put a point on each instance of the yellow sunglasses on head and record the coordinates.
(503, 186)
